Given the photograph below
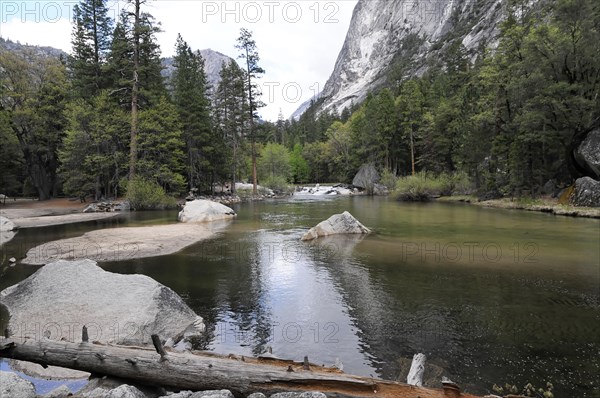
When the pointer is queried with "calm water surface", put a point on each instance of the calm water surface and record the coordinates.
(489, 295)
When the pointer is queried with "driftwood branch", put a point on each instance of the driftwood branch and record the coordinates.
(206, 371)
(417, 368)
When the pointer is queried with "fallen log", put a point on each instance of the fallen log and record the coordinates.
(206, 371)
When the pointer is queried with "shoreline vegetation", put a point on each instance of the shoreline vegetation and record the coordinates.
(457, 188)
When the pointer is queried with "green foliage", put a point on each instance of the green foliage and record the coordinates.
(274, 163)
(93, 155)
(161, 148)
(424, 186)
(277, 183)
(145, 194)
(389, 180)
(33, 93)
(298, 166)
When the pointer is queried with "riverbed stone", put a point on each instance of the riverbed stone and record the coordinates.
(307, 394)
(257, 395)
(343, 223)
(586, 193)
(62, 297)
(199, 210)
(123, 391)
(213, 394)
(60, 392)
(13, 386)
(588, 153)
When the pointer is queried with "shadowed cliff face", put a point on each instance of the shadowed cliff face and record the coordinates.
(382, 31)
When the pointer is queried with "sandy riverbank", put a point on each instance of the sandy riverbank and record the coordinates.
(27, 213)
(115, 244)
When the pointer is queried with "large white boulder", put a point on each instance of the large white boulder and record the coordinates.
(205, 211)
(13, 386)
(62, 297)
(343, 223)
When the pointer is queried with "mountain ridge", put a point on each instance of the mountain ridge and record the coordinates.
(212, 59)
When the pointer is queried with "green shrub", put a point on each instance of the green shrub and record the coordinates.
(144, 194)
(389, 179)
(424, 186)
(277, 183)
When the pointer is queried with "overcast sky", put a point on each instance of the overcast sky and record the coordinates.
(298, 41)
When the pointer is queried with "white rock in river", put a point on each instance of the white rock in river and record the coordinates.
(205, 211)
(62, 297)
(7, 229)
(343, 223)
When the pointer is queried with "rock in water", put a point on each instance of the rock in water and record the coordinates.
(6, 225)
(62, 297)
(13, 386)
(343, 223)
(588, 153)
(366, 178)
(205, 211)
(587, 193)
(7, 228)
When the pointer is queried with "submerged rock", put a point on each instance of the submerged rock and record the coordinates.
(107, 207)
(62, 297)
(343, 223)
(205, 211)
(586, 193)
(13, 386)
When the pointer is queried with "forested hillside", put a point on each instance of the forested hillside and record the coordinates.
(92, 122)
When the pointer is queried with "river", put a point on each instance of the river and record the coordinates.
(489, 295)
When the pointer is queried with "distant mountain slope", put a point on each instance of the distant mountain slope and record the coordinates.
(9, 45)
(213, 60)
(387, 32)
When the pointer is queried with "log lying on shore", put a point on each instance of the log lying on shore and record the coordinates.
(206, 371)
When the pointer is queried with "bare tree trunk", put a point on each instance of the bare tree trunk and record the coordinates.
(412, 152)
(133, 152)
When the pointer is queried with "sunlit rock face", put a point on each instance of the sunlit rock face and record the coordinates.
(385, 31)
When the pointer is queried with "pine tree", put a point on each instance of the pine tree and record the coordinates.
(161, 147)
(189, 85)
(249, 53)
(231, 110)
(91, 40)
